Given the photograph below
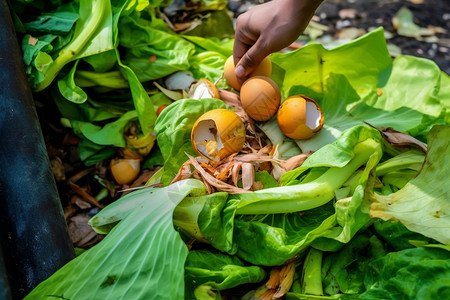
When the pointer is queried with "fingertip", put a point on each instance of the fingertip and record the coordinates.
(240, 71)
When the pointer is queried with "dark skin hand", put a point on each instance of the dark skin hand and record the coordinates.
(268, 28)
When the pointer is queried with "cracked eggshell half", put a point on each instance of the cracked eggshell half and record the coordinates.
(217, 134)
(203, 88)
(300, 117)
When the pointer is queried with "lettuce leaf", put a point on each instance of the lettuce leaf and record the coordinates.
(141, 257)
(141, 41)
(423, 204)
(359, 82)
(218, 270)
(418, 273)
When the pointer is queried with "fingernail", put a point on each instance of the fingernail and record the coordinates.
(239, 71)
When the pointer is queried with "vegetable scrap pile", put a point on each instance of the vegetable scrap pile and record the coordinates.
(332, 183)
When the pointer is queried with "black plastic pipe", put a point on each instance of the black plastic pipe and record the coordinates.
(5, 291)
(33, 232)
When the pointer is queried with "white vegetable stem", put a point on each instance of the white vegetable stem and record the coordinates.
(308, 195)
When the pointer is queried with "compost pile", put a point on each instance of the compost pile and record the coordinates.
(357, 208)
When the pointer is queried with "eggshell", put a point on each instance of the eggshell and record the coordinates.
(125, 171)
(217, 134)
(260, 98)
(300, 117)
(263, 69)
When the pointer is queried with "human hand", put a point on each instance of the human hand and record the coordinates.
(268, 28)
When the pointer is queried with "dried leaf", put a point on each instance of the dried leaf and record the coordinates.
(81, 192)
(235, 172)
(70, 210)
(58, 169)
(279, 283)
(295, 161)
(81, 174)
(224, 170)
(257, 185)
(254, 157)
(437, 29)
(81, 232)
(81, 203)
(220, 185)
(183, 173)
(397, 138)
(248, 176)
(177, 27)
(348, 13)
(144, 176)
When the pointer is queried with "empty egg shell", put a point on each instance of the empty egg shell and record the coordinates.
(217, 134)
(300, 117)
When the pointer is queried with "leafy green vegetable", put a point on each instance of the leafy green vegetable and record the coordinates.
(213, 24)
(69, 88)
(60, 22)
(418, 273)
(312, 267)
(143, 41)
(131, 262)
(369, 91)
(91, 35)
(422, 205)
(110, 134)
(344, 270)
(219, 271)
(354, 148)
(396, 235)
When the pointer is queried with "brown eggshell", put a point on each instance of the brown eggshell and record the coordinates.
(260, 98)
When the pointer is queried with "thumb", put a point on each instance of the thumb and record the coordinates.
(251, 59)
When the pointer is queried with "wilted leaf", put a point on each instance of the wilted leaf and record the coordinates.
(397, 138)
(350, 33)
(403, 22)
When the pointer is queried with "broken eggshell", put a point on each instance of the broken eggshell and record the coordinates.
(299, 117)
(217, 134)
(180, 80)
(124, 171)
(203, 88)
